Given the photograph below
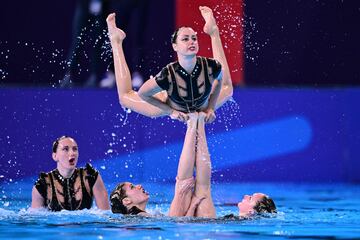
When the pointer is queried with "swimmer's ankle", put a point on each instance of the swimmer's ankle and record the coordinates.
(215, 32)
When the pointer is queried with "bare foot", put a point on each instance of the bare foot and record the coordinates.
(115, 33)
(210, 26)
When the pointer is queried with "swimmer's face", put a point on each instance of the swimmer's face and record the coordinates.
(246, 206)
(135, 193)
(186, 42)
(67, 154)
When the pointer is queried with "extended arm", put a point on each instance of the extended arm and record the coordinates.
(100, 194)
(37, 201)
(214, 95)
(147, 92)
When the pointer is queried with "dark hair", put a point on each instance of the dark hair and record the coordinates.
(265, 205)
(116, 201)
(56, 142)
(175, 34)
(116, 197)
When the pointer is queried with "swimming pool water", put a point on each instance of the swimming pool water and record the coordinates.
(306, 211)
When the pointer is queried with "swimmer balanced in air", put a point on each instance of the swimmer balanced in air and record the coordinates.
(190, 84)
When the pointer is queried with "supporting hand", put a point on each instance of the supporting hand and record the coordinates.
(210, 115)
(195, 202)
(182, 117)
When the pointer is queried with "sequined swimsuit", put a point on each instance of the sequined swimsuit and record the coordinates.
(74, 193)
(189, 92)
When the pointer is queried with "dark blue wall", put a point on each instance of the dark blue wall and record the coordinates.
(265, 135)
(313, 42)
(36, 36)
(285, 42)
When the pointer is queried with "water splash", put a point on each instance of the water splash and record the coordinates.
(228, 13)
(40, 56)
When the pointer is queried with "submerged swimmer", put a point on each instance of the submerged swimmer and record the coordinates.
(68, 187)
(192, 196)
(255, 204)
(190, 84)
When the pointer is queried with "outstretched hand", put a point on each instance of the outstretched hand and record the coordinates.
(187, 187)
(115, 34)
(196, 201)
(210, 115)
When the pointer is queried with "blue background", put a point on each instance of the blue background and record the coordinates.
(263, 135)
(305, 130)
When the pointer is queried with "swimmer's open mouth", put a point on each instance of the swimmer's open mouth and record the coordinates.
(192, 48)
(72, 161)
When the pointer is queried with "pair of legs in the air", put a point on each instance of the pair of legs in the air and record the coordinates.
(130, 99)
(193, 196)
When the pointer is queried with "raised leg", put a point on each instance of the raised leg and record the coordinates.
(212, 30)
(128, 98)
(184, 180)
(203, 173)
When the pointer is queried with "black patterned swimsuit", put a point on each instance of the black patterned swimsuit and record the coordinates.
(74, 193)
(189, 92)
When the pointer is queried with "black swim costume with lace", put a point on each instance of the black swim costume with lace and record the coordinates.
(74, 193)
(189, 92)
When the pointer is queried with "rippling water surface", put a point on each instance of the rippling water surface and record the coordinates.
(306, 211)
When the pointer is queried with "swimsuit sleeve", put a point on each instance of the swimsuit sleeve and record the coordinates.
(41, 185)
(92, 174)
(162, 79)
(216, 68)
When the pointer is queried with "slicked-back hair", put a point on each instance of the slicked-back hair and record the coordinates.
(175, 34)
(265, 205)
(116, 197)
(56, 142)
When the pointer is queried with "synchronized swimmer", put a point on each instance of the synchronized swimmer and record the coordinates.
(68, 187)
(190, 84)
(189, 90)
